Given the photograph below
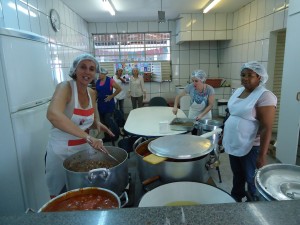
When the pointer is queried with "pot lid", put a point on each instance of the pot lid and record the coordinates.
(279, 181)
(180, 146)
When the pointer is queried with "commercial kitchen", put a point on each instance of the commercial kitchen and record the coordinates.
(218, 41)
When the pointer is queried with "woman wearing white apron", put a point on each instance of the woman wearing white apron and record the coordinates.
(72, 112)
(202, 97)
(248, 130)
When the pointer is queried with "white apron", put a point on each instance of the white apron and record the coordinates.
(61, 144)
(195, 109)
(241, 127)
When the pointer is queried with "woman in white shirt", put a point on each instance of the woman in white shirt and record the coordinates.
(137, 90)
(119, 98)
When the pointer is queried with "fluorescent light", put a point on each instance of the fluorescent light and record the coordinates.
(109, 7)
(211, 5)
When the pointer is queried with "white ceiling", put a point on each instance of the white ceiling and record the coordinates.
(146, 10)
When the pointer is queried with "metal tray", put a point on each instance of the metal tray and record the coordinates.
(279, 181)
(182, 124)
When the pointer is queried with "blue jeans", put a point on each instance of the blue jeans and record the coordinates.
(243, 169)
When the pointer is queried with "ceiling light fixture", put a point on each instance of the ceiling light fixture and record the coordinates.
(161, 14)
(109, 7)
(211, 5)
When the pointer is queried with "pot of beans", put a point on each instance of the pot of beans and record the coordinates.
(89, 198)
(91, 168)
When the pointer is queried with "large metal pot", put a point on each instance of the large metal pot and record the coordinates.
(171, 170)
(90, 198)
(115, 178)
(207, 125)
(184, 193)
(278, 182)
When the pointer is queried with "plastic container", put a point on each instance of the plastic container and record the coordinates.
(222, 105)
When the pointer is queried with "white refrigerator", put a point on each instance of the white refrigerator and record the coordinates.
(26, 87)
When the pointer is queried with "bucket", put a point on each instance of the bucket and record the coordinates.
(222, 105)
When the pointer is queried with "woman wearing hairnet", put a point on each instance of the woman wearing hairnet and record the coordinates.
(72, 112)
(248, 130)
(202, 97)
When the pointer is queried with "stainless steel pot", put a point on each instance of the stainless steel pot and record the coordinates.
(207, 125)
(115, 178)
(171, 170)
(278, 182)
(53, 204)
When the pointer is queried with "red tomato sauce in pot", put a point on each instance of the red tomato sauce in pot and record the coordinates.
(88, 201)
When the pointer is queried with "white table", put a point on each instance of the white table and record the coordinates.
(145, 121)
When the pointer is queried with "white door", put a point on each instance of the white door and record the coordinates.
(31, 131)
(26, 68)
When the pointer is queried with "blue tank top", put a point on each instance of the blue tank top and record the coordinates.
(102, 92)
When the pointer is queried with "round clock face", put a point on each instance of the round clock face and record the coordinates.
(55, 20)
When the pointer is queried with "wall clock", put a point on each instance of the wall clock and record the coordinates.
(55, 20)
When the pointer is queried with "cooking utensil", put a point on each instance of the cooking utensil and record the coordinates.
(114, 178)
(183, 147)
(170, 170)
(81, 192)
(102, 150)
(279, 181)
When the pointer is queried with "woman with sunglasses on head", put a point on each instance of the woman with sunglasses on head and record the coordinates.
(248, 130)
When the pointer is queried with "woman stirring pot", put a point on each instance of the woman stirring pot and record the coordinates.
(72, 112)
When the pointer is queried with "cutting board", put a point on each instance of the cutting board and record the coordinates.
(154, 159)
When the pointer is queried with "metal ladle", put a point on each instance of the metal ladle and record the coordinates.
(104, 151)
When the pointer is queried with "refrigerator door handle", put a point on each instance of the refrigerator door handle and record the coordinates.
(34, 104)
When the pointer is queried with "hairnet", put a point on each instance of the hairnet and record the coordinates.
(79, 59)
(199, 74)
(257, 68)
(103, 70)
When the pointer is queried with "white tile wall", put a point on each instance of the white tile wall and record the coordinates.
(34, 20)
(253, 11)
(10, 15)
(121, 27)
(268, 25)
(112, 28)
(261, 8)
(143, 27)
(250, 26)
(221, 21)
(194, 56)
(279, 20)
(199, 22)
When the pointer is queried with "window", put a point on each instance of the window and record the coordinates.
(132, 47)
